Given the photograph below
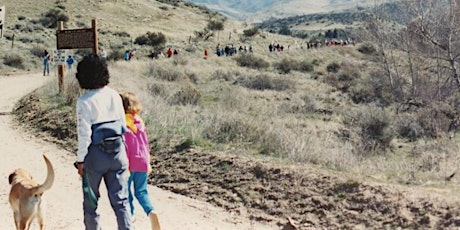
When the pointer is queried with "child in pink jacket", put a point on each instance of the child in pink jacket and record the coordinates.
(138, 151)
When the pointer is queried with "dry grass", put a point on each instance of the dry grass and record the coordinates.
(302, 123)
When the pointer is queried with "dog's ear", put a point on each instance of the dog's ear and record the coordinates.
(11, 177)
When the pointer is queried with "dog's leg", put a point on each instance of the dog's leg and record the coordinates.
(16, 220)
(40, 219)
(24, 224)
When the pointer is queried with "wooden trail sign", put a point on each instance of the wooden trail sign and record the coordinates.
(74, 39)
(2, 20)
(77, 38)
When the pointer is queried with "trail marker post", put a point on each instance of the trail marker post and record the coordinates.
(75, 39)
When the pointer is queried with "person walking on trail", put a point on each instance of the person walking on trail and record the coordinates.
(101, 153)
(138, 151)
(46, 63)
(69, 62)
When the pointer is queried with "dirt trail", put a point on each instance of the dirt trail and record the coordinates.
(63, 201)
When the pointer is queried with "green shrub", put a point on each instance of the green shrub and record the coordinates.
(251, 61)
(14, 60)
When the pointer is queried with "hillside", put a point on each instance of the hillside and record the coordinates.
(262, 10)
(336, 136)
(119, 23)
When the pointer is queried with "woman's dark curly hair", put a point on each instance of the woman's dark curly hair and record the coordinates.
(92, 72)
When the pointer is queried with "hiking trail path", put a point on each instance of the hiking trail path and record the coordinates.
(63, 202)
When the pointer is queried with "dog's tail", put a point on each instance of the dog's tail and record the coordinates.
(49, 177)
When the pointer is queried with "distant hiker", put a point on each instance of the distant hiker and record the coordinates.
(131, 54)
(103, 55)
(126, 56)
(46, 62)
(69, 62)
(138, 151)
(205, 54)
(218, 49)
(169, 53)
(176, 52)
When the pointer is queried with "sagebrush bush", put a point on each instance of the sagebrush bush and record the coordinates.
(223, 75)
(362, 92)
(37, 50)
(115, 54)
(366, 48)
(179, 60)
(230, 130)
(186, 96)
(251, 32)
(374, 127)
(192, 77)
(14, 60)
(156, 89)
(285, 66)
(333, 67)
(305, 66)
(122, 34)
(155, 39)
(408, 127)
(265, 82)
(72, 92)
(251, 61)
(435, 119)
(215, 25)
(165, 74)
(52, 17)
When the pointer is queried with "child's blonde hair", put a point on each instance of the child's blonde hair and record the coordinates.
(131, 103)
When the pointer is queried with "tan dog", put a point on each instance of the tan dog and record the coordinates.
(25, 196)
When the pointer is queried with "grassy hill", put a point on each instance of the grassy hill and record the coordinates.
(261, 10)
(330, 137)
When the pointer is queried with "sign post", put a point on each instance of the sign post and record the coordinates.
(75, 39)
(2, 20)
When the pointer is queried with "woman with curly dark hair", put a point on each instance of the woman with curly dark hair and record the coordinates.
(101, 152)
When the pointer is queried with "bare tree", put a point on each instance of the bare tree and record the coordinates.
(436, 27)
